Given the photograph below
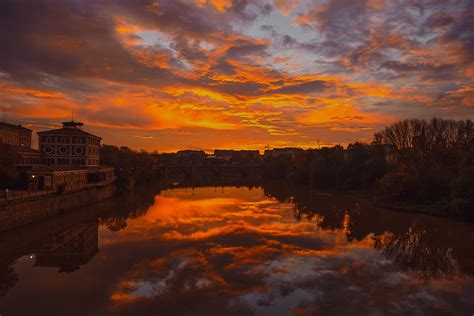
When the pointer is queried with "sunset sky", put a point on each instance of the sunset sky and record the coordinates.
(205, 74)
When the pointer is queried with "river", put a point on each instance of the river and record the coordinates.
(238, 251)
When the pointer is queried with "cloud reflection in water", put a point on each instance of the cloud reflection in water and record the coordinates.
(245, 252)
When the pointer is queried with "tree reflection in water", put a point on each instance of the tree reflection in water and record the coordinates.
(422, 245)
(414, 251)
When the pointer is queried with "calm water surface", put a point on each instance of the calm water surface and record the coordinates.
(237, 251)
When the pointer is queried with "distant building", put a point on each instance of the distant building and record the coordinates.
(188, 157)
(196, 154)
(69, 146)
(277, 152)
(15, 135)
(229, 154)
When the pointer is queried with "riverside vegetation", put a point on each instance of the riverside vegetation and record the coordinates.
(414, 165)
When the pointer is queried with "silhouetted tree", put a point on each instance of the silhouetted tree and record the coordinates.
(131, 167)
(409, 162)
(431, 161)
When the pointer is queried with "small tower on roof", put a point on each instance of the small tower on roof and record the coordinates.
(72, 124)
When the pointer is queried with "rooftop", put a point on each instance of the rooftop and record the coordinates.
(14, 126)
(70, 128)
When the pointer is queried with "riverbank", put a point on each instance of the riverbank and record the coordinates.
(440, 209)
(437, 210)
(287, 190)
(21, 212)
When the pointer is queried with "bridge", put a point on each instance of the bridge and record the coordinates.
(198, 172)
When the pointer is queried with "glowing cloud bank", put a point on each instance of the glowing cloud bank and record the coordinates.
(243, 74)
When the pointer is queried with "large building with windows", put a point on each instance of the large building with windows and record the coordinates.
(15, 135)
(69, 146)
(68, 158)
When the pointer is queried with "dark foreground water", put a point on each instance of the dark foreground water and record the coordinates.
(237, 251)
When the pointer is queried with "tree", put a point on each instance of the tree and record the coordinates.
(131, 167)
(433, 159)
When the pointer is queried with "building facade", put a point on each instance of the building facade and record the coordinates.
(15, 135)
(68, 178)
(285, 152)
(52, 178)
(27, 157)
(229, 154)
(69, 146)
(68, 158)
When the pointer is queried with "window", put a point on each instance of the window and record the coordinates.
(63, 150)
(78, 150)
(48, 149)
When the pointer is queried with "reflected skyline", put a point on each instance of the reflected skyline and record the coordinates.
(264, 250)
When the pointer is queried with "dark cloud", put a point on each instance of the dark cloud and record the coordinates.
(302, 88)
(268, 28)
(173, 17)
(344, 20)
(249, 10)
(239, 88)
(462, 32)
(78, 39)
(280, 40)
(240, 50)
(112, 116)
(223, 67)
(438, 19)
(341, 23)
(426, 71)
(64, 39)
(186, 17)
(407, 67)
(190, 51)
(244, 48)
(389, 41)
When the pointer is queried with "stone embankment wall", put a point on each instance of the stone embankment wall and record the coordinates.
(18, 213)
